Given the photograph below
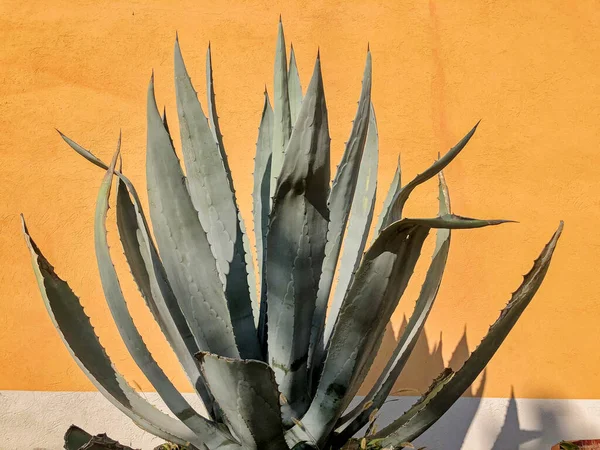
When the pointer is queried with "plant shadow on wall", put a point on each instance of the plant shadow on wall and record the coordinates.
(422, 367)
(281, 375)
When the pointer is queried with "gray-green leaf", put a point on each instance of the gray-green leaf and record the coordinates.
(395, 211)
(282, 120)
(247, 393)
(359, 223)
(211, 191)
(206, 430)
(450, 386)
(77, 333)
(295, 246)
(182, 242)
(375, 398)
(294, 87)
(340, 201)
(261, 197)
(369, 303)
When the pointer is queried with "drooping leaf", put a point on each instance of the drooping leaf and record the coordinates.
(294, 87)
(183, 245)
(295, 246)
(247, 393)
(359, 416)
(206, 430)
(149, 274)
(77, 333)
(450, 386)
(261, 198)
(210, 189)
(359, 223)
(369, 303)
(282, 121)
(75, 438)
(78, 439)
(395, 211)
(389, 197)
(340, 201)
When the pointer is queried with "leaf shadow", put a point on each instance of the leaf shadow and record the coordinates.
(451, 431)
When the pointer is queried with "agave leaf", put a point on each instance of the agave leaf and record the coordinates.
(205, 429)
(282, 121)
(261, 198)
(243, 263)
(247, 393)
(446, 390)
(340, 201)
(211, 191)
(149, 274)
(182, 243)
(75, 438)
(359, 416)
(389, 197)
(369, 303)
(395, 211)
(294, 87)
(151, 279)
(296, 244)
(214, 118)
(78, 439)
(77, 333)
(359, 223)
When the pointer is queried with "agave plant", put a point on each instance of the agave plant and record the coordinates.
(273, 369)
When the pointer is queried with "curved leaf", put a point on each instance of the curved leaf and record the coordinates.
(261, 202)
(77, 333)
(211, 191)
(340, 201)
(134, 342)
(282, 121)
(395, 211)
(450, 386)
(295, 246)
(359, 416)
(149, 274)
(247, 392)
(369, 303)
(183, 244)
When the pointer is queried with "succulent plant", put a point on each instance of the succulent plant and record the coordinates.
(273, 370)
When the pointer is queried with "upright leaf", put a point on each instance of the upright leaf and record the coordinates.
(247, 392)
(395, 211)
(282, 121)
(359, 223)
(295, 246)
(389, 197)
(359, 416)
(134, 342)
(450, 386)
(294, 87)
(372, 298)
(261, 202)
(183, 244)
(210, 188)
(340, 201)
(77, 333)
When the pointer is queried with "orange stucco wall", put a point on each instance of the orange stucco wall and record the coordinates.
(528, 69)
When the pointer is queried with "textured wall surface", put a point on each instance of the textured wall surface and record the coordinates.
(528, 69)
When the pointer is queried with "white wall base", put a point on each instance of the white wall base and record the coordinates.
(38, 420)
